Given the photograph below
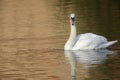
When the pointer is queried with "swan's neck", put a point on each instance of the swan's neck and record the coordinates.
(71, 41)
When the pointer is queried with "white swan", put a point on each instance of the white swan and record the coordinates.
(85, 41)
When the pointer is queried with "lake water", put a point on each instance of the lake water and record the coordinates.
(33, 34)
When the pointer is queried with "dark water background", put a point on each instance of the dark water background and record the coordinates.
(33, 33)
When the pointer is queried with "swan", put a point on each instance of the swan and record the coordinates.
(86, 40)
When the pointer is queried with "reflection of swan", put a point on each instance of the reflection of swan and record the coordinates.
(85, 41)
(89, 56)
(86, 58)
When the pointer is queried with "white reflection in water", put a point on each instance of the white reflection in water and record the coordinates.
(87, 59)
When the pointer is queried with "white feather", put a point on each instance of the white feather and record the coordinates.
(91, 41)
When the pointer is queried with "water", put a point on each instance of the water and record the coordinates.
(33, 34)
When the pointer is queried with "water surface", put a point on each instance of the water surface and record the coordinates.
(33, 34)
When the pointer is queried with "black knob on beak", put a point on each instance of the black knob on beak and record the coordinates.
(72, 18)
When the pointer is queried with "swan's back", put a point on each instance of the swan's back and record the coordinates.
(89, 41)
(90, 36)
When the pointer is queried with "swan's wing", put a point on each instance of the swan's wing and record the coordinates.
(88, 41)
(86, 35)
(105, 45)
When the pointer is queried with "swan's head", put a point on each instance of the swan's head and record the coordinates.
(72, 19)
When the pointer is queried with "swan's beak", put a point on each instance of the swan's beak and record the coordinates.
(72, 20)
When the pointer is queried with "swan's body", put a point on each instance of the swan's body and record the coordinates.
(85, 41)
